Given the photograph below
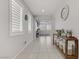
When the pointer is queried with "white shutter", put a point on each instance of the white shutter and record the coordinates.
(15, 16)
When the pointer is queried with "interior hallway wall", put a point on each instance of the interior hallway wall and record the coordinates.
(72, 23)
(73, 19)
(11, 45)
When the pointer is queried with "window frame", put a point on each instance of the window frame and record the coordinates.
(10, 20)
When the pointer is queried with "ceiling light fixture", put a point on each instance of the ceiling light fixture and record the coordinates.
(43, 10)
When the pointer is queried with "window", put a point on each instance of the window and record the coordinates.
(15, 17)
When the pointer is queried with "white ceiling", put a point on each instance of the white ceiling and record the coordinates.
(43, 7)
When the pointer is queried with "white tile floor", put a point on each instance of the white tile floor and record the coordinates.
(41, 48)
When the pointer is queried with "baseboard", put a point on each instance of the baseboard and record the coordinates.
(22, 49)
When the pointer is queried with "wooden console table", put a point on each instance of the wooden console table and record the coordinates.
(74, 49)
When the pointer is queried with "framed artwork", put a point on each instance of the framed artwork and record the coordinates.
(65, 12)
(26, 17)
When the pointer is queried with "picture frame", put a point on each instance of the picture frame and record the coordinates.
(26, 17)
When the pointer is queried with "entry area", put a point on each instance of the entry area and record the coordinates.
(41, 48)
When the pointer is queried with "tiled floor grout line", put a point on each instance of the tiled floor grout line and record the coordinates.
(40, 49)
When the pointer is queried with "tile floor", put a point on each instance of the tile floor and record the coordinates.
(41, 48)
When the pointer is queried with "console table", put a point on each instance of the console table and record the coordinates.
(67, 45)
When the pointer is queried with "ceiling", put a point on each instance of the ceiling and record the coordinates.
(43, 7)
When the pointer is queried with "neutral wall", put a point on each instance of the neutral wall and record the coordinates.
(10, 46)
(73, 20)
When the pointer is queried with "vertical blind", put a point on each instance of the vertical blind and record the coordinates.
(15, 16)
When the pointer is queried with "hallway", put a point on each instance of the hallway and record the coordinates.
(41, 48)
(21, 21)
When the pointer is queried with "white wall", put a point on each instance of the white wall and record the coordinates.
(11, 45)
(73, 21)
